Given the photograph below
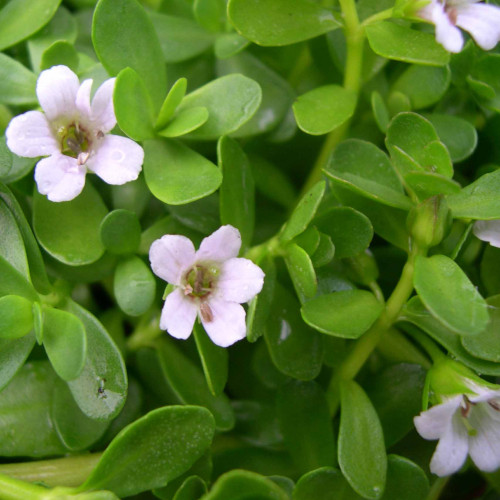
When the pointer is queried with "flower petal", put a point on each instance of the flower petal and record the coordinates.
(432, 423)
(171, 256)
(227, 323)
(240, 280)
(30, 135)
(82, 100)
(452, 448)
(56, 89)
(221, 245)
(447, 34)
(482, 22)
(117, 160)
(59, 177)
(484, 447)
(488, 230)
(103, 114)
(178, 315)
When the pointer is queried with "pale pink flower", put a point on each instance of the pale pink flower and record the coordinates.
(210, 283)
(482, 21)
(488, 230)
(73, 134)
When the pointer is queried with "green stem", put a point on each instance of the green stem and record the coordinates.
(369, 341)
(437, 488)
(379, 16)
(145, 333)
(432, 349)
(355, 36)
(14, 489)
(68, 471)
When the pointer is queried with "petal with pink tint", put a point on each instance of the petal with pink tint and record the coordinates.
(225, 322)
(116, 160)
(482, 22)
(171, 256)
(56, 89)
(178, 315)
(240, 280)
(103, 114)
(30, 135)
(221, 245)
(59, 177)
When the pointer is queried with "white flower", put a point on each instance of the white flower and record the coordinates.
(210, 283)
(72, 133)
(488, 230)
(480, 20)
(464, 423)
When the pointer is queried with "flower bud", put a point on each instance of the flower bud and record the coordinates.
(429, 221)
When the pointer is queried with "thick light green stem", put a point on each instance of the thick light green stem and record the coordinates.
(437, 488)
(355, 36)
(68, 471)
(14, 489)
(369, 341)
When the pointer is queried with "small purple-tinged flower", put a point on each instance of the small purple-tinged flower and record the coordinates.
(210, 283)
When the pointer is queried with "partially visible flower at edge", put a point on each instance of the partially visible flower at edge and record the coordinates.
(72, 133)
(466, 421)
(210, 283)
(482, 21)
(488, 230)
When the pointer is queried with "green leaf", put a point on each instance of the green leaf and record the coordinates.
(153, 450)
(60, 52)
(423, 85)
(487, 345)
(323, 109)
(134, 286)
(458, 135)
(478, 200)
(230, 100)
(347, 314)
(396, 394)
(17, 83)
(414, 145)
(449, 295)
(303, 212)
(280, 22)
(214, 360)
(416, 313)
(37, 266)
(490, 270)
(308, 435)
(180, 38)
(21, 18)
(277, 93)
(120, 232)
(210, 14)
(301, 271)
(487, 71)
(69, 231)
(192, 488)
(173, 99)
(13, 354)
(326, 483)
(405, 479)
(325, 252)
(296, 349)
(363, 168)
(237, 191)
(14, 283)
(25, 404)
(380, 111)
(308, 240)
(362, 456)
(13, 167)
(176, 174)
(242, 485)
(62, 27)
(133, 107)
(427, 184)
(75, 429)
(16, 317)
(11, 243)
(350, 231)
(101, 388)
(185, 121)
(65, 342)
(229, 44)
(189, 385)
(260, 306)
(123, 34)
(398, 42)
